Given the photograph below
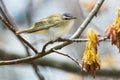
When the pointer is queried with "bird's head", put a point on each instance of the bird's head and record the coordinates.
(62, 17)
(67, 16)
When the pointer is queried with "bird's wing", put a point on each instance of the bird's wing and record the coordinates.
(45, 24)
(42, 25)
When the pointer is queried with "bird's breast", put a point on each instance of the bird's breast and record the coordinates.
(59, 30)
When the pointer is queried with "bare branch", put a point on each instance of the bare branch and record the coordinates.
(68, 40)
(62, 65)
(73, 59)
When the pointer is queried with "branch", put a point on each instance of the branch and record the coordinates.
(73, 59)
(77, 34)
(70, 67)
(68, 40)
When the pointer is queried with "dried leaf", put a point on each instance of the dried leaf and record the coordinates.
(91, 60)
(113, 31)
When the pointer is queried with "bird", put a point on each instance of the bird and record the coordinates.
(54, 26)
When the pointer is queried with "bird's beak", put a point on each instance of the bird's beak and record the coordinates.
(73, 17)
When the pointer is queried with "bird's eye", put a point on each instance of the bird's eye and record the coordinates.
(67, 16)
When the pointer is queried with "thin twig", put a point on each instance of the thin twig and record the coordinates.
(77, 34)
(68, 40)
(61, 40)
(103, 39)
(48, 43)
(72, 40)
(72, 58)
(77, 40)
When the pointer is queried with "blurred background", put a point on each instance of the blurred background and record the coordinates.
(54, 66)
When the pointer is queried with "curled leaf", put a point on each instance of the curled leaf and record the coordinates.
(113, 31)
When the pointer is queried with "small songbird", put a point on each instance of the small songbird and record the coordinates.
(53, 26)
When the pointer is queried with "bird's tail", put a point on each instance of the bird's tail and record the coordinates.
(29, 30)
